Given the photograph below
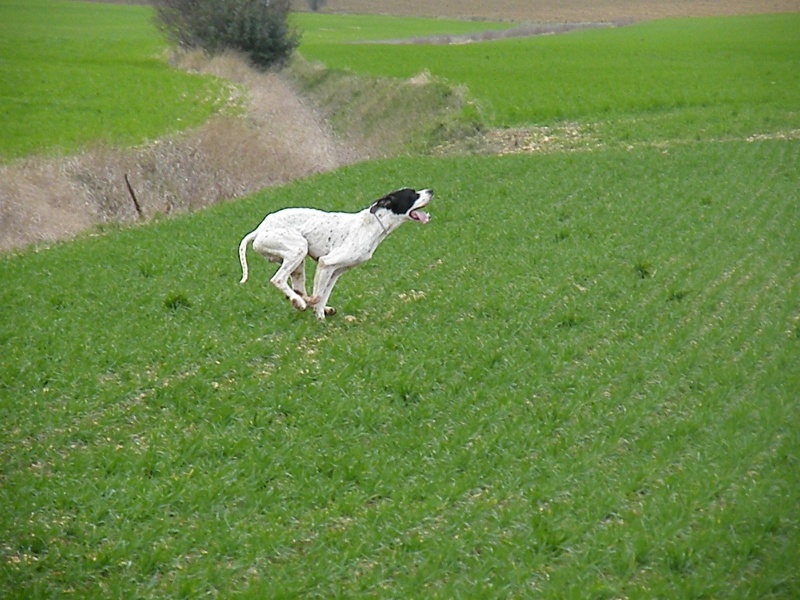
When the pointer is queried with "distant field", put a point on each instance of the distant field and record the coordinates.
(61, 89)
(658, 80)
(721, 73)
(560, 11)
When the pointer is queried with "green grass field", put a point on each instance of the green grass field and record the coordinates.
(79, 73)
(579, 380)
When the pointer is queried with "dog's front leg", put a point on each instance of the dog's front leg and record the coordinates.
(321, 308)
(324, 280)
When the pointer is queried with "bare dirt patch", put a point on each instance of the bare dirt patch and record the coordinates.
(527, 30)
(566, 137)
(570, 137)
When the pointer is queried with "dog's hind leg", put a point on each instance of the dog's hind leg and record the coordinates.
(297, 280)
(281, 280)
(291, 249)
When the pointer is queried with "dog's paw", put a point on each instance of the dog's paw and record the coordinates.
(313, 300)
(299, 303)
(321, 313)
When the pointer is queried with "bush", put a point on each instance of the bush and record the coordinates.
(258, 28)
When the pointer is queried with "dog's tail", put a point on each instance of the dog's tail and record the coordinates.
(243, 253)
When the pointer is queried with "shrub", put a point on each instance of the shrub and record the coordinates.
(258, 28)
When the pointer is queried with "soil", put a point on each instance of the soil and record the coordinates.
(280, 136)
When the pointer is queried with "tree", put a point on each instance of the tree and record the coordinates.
(315, 5)
(258, 28)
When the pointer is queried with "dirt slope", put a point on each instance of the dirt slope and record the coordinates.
(279, 138)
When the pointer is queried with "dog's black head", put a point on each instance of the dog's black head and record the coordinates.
(406, 202)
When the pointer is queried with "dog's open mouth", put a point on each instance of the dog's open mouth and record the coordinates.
(420, 215)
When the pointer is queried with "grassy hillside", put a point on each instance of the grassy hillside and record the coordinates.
(77, 73)
(580, 377)
(717, 74)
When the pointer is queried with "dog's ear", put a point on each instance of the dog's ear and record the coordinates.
(385, 202)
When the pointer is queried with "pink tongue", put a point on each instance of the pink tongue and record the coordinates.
(420, 216)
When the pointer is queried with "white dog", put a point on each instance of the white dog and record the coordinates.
(338, 241)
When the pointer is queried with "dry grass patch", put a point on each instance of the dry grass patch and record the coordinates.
(38, 203)
(565, 137)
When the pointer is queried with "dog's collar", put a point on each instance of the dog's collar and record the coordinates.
(380, 223)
